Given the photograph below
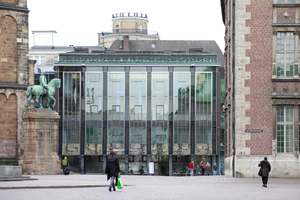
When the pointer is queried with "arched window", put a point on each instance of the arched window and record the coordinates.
(8, 50)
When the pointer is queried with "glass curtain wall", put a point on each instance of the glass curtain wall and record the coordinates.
(71, 114)
(93, 113)
(203, 108)
(160, 113)
(181, 103)
(116, 112)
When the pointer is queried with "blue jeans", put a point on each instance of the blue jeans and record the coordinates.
(191, 172)
(215, 172)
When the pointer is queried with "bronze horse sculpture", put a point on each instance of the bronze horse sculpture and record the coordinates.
(38, 91)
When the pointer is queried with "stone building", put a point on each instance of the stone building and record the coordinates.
(16, 74)
(132, 25)
(262, 86)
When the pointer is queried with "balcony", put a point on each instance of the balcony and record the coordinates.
(131, 31)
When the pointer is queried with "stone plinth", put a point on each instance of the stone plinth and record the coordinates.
(39, 142)
(11, 171)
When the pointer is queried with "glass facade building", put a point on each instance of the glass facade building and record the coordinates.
(148, 107)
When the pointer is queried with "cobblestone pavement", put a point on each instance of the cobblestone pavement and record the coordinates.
(95, 186)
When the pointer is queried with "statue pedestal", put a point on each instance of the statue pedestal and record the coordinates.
(39, 142)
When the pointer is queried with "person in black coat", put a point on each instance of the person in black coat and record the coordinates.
(265, 169)
(112, 169)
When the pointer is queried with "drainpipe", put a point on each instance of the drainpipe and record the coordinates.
(233, 73)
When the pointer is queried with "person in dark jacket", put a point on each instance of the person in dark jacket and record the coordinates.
(215, 168)
(265, 168)
(112, 169)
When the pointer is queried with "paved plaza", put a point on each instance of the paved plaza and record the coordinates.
(95, 186)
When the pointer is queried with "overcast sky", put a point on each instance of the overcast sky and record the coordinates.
(78, 22)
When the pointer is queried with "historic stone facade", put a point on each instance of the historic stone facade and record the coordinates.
(16, 73)
(262, 101)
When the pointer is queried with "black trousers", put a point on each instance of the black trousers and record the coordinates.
(265, 180)
(116, 180)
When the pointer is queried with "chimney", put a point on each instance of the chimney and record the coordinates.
(126, 43)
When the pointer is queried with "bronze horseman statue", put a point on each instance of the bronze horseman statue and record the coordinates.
(43, 90)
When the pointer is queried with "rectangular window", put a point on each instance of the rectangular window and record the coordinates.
(285, 54)
(71, 112)
(159, 107)
(93, 107)
(285, 129)
(285, 1)
(138, 107)
(181, 107)
(55, 59)
(42, 61)
(116, 107)
(203, 103)
(37, 58)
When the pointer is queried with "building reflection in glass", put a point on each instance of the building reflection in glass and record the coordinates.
(71, 114)
(138, 113)
(93, 113)
(160, 113)
(181, 92)
(116, 112)
(203, 98)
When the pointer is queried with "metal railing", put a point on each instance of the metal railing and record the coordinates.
(129, 31)
(129, 14)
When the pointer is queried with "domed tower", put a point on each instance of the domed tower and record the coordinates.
(133, 26)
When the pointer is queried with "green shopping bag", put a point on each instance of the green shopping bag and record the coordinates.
(120, 184)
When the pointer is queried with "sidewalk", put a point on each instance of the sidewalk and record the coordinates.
(95, 186)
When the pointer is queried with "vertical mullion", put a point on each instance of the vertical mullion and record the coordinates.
(284, 128)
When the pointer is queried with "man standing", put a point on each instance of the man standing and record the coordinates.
(265, 169)
(192, 168)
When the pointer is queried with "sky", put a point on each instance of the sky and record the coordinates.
(78, 22)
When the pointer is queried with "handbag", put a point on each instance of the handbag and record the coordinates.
(120, 184)
(260, 172)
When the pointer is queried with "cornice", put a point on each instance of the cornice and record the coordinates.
(138, 59)
(15, 8)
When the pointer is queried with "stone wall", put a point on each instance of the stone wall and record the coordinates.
(16, 73)
(8, 128)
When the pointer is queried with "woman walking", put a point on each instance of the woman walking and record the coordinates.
(112, 169)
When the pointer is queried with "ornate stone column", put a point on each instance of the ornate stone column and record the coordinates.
(39, 142)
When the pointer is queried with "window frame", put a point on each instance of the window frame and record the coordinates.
(285, 1)
(285, 53)
(285, 124)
